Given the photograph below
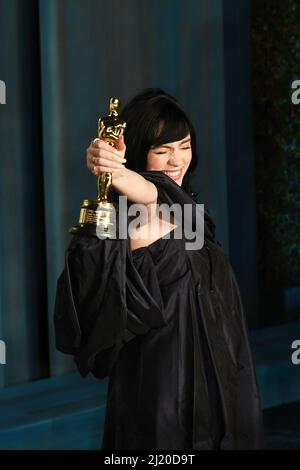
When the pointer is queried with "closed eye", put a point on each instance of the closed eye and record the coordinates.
(164, 153)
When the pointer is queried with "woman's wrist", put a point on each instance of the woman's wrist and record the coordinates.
(133, 185)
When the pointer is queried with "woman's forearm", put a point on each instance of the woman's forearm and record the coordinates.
(137, 189)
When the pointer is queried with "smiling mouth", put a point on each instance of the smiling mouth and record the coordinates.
(175, 174)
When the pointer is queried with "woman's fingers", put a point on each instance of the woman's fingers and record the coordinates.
(104, 160)
(101, 144)
(104, 153)
(120, 144)
(97, 169)
(102, 157)
(106, 166)
(101, 164)
(118, 149)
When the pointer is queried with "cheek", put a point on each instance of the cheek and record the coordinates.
(154, 162)
(188, 158)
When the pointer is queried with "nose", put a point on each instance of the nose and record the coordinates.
(175, 158)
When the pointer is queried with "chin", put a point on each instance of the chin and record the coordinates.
(178, 181)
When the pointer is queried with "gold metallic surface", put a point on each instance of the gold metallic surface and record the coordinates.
(99, 212)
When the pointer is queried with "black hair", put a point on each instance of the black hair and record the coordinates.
(153, 118)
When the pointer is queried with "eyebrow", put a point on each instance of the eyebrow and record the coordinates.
(183, 142)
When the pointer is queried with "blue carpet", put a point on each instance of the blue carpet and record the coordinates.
(278, 378)
(282, 427)
(67, 412)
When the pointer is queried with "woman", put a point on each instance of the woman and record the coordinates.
(164, 323)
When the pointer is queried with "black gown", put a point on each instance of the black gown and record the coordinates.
(167, 326)
(151, 389)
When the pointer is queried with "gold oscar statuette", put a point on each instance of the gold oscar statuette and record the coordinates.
(99, 216)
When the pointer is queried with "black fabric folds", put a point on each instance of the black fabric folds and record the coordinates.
(167, 326)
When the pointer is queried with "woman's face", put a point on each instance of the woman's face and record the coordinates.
(172, 158)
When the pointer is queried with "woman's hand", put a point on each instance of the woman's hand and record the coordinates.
(102, 157)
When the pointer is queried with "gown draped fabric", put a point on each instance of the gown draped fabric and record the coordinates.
(167, 326)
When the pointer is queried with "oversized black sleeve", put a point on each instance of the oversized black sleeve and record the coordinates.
(101, 303)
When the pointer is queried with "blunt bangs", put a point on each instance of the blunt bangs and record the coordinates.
(170, 126)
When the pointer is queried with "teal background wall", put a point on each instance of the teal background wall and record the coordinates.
(61, 61)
